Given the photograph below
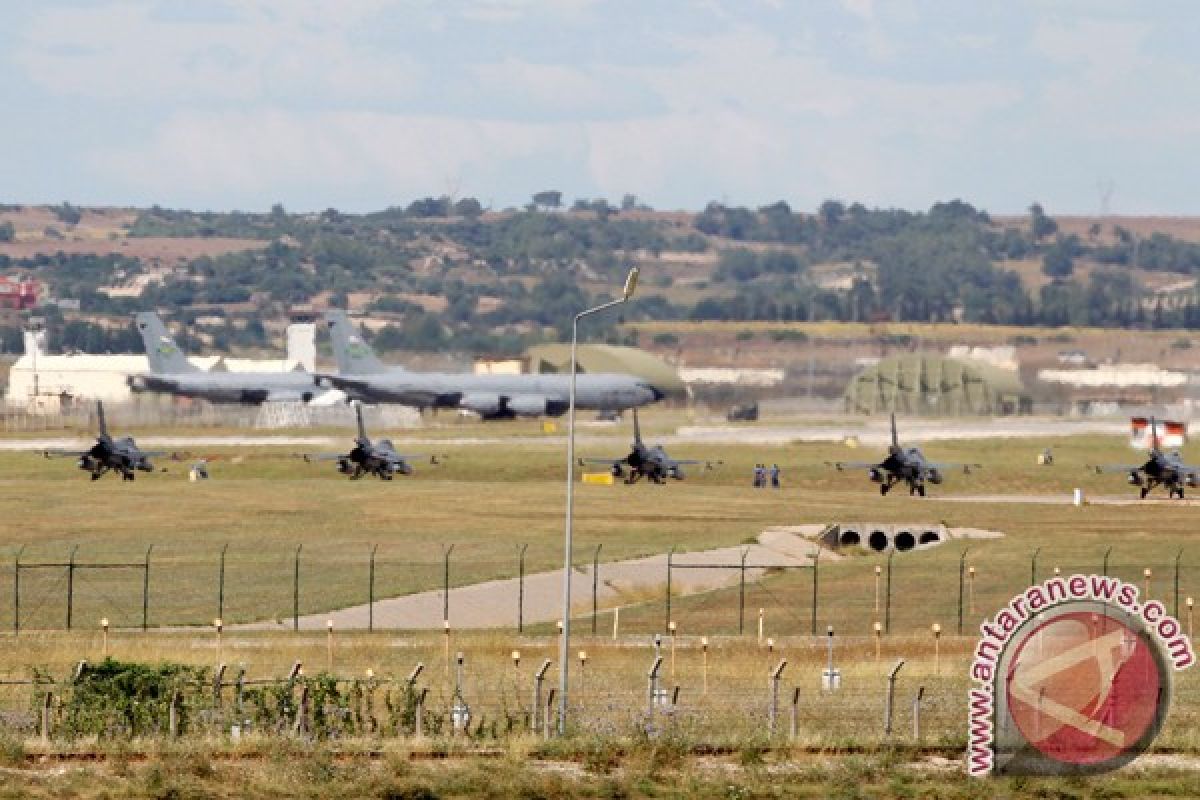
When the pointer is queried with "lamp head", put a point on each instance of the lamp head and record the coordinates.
(630, 284)
(516, 657)
(104, 623)
(937, 629)
(218, 623)
(878, 628)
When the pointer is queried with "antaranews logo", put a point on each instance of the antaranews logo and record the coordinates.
(1073, 676)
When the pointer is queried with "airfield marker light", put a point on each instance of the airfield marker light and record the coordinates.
(560, 626)
(937, 648)
(1057, 572)
(878, 573)
(1146, 575)
(104, 627)
(878, 641)
(218, 626)
(516, 658)
(564, 644)
(446, 643)
(582, 672)
(329, 645)
(760, 626)
(770, 645)
(971, 589)
(370, 674)
(704, 657)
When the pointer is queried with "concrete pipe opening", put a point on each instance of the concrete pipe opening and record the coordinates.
(905, 541)
(878, 541)
(850, 538)
(929, 537)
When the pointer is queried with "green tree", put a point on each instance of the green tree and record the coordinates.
(1040, 225)
(551, 198)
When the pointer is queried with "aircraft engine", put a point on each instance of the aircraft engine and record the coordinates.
(1193, 480)
(345, 466)
(1135, 478)
(676, 473)
(935, 477)
(482, 403)
(876, 474)
(527, 405)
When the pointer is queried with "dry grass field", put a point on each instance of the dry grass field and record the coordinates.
(486, 499)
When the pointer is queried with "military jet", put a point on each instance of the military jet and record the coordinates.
(119, 455)
(368, 458)
(1160, 469)
(364, 378)
(171, 373)
(903, 464)
(652, 463)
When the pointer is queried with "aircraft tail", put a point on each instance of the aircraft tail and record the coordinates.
(353, 355)
(362, 429)
(895, 437)
(164, 355)
(1153, 433)
(100, 417)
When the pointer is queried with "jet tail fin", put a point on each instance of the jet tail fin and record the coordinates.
(353, 355)
(100, 417)
(164, 355)
(1153, 433)
(362, 429)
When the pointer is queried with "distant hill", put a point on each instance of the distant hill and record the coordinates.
(446, 274)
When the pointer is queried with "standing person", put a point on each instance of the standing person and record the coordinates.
(775, 476)
(758, 476)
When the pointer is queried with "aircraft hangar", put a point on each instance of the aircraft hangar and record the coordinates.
(930, 384)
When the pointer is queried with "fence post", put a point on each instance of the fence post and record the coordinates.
(539, 675)
(742, 594)
(546, 712)
(173, 716)
(652, 684)
(419, 721)
(816, 562)
(773, 707)
(71, 585)
(221, 584)
(794, 728)
(47, 705)
(962, 564)
(1033, 566)
(301, 724)
(1104, 571)
(917, 712)
(446, 582)
(371, 590)
(887, 598)
(670, 558)
(889, 697)
(296, 588)
(521, 589)
(17, 590)
(1175, 611)
(146, 590)
(596, 585)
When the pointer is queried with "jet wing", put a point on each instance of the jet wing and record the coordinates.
(1100, 469)
(844, 465)
(945, 465)
(311, 457)
(612, 462)
(58, 453)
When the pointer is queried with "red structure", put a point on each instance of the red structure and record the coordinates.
(18, 295)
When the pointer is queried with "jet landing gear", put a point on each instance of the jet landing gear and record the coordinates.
(1176, 491)
(917, 489)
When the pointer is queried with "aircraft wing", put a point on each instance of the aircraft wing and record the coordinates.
(59, 453)
(945, 465)
(1103, 468)
(311, 457)
(612, 462)
(844, 465)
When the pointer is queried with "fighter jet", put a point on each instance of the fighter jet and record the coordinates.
(653, 463)
(903, 464)
(119, 455)
(171, 373)
(364, 378)
(368, 458)
(1160, 469)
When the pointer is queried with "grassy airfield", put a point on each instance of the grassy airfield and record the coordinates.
(486, 499)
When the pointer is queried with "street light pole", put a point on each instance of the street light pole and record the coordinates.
(564, 647)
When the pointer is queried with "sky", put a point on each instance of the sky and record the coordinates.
(1082, 105)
